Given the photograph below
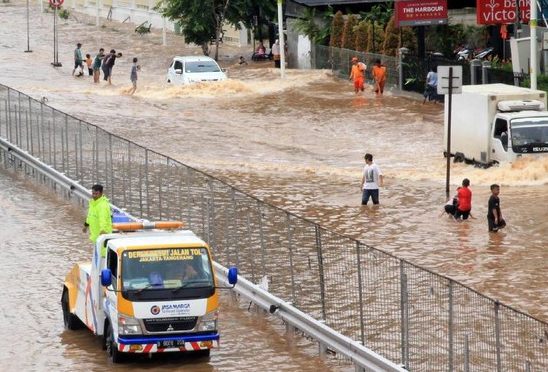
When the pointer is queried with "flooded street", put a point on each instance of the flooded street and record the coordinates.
(39, 248)
(298, 144)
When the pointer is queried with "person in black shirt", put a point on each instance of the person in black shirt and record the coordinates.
(494, 215)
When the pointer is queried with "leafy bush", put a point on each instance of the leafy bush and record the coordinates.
(64, 14)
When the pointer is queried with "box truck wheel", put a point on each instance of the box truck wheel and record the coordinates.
(459, 157)
(71, 321)
(112, 349)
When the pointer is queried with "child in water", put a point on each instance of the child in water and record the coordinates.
(89, 63)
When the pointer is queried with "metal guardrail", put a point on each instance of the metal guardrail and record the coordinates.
(398, 309)
(364, 358)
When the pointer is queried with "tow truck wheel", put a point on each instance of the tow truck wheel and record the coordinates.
(203, 353)
(112, 349)
(71, 321)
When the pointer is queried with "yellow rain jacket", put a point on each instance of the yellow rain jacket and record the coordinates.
(99, 217)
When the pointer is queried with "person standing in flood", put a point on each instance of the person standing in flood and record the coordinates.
(379, 75)
(99, 218)
(431, 87)
(133, 75)
(357, 74)
(494, 215)
(465, 201)
(371, 180)
(276, 53)
(97, 65)
(78, 60)
(108, 64)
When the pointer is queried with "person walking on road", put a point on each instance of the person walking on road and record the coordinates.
(371, 180)
(276, 53)
(465, 201)
(431, 87)
(78, 60)
(379, 75)
(99, 218)
(494, 215)
(357, 74)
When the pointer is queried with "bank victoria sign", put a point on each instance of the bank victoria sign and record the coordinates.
(502, 11)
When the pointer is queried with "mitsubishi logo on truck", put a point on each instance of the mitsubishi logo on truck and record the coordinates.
(170, 328)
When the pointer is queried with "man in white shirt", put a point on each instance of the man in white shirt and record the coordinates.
(371, 180)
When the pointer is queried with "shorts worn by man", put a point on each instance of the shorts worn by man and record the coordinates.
(371, 180)
(99, 219)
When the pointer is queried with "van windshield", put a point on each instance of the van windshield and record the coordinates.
(201, 66)
(530, 135)
(169, 268)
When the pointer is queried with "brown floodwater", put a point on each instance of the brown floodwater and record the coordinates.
(299, 144)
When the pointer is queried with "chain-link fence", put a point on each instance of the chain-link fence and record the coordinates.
(339, 61)
(405, 313)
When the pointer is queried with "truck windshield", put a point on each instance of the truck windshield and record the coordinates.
(202, 66)
(530, 135)
(165, 270)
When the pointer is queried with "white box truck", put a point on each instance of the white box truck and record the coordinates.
(496, 123)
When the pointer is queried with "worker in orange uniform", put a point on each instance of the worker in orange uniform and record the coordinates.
(357, 73)
(379, 74)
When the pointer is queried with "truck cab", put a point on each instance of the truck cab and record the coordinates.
(517, 134)
(150, 292)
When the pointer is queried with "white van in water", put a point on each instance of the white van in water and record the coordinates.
(194, 69)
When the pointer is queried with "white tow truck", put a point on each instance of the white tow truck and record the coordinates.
(153, 291)
(496, 123)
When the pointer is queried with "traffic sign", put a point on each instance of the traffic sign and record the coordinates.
(449, 79)
(56, 3)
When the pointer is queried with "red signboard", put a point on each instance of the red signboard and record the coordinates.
(502, 11)
(56, 3)
(420, 12)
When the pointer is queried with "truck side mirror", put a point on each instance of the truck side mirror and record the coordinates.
(106, 277)
(233, 275)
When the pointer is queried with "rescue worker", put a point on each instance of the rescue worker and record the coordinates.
(99, 219)
(357, 74)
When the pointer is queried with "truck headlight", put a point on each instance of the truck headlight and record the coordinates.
(128, 325)
(209, 321)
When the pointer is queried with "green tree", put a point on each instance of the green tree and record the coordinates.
(203, 21)
(361, 36)
(378, 17)
(349, 32)
(315, 24)
(337, 27)
(391, 39)
(375, 38)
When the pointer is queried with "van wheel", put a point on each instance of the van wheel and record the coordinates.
(112, 349)
(71, 321)
(459, 158)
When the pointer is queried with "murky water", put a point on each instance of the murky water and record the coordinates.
(299, 143)
(39, 247)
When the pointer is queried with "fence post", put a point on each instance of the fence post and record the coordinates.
(227, 237)
(404, 317)
(261, 234)
(250, 249)
(474, 64)
(188, 198)
(451, 324)
(360, 292)
(212, 226)
(497, 336)
(466, 354)
(291, 268)
(235, 229)
(147, 184)
(527, 366)
(401, 53)
(320, 268)
(485, 67)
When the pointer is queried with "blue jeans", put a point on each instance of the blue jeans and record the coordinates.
(374, 193)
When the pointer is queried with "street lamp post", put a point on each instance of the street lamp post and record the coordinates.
(533, 27)
(282, 40)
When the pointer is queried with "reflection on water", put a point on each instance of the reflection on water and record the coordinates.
(299, 144)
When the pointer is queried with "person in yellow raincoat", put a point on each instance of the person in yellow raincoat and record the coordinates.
(99, 219)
